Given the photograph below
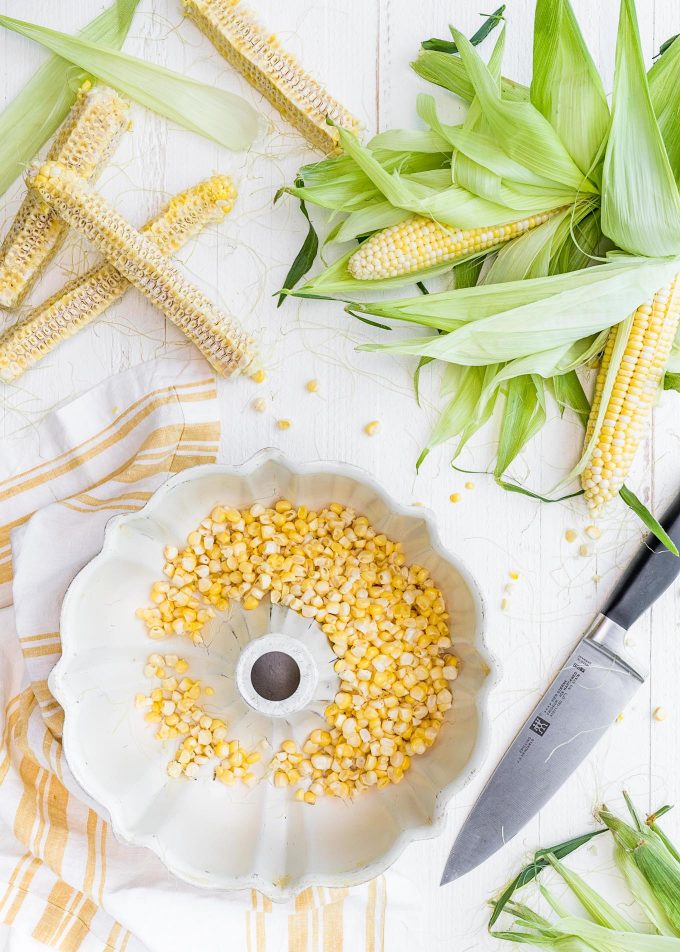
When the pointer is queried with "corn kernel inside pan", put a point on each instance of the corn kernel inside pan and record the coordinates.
(385, 620)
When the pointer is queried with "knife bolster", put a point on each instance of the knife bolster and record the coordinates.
(610, 638)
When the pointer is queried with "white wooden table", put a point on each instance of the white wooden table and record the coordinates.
(361, 49)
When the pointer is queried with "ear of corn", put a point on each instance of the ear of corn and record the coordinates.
(88, 296)
(276, 74)
(420, 243)
(219, 337)
(83, 144)
(635, 388)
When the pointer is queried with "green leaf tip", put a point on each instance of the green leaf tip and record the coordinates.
(643, 513)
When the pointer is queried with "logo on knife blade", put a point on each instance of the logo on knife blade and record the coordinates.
(539, 726)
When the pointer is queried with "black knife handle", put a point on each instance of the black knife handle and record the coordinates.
(649, 574)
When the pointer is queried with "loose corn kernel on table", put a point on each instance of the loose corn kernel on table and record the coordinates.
(543, 571)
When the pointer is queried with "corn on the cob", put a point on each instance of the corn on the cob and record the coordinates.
(83, 144)
(419, 243)
(276, 74)
(88, 296)
(637, 383)
(219, 338)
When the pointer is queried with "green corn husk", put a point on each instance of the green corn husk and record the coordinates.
(447, 46)
(643, 893)
(491, 323)
(643, 848)
(448, 71)
(211, 112)
(566, 83)
(545, 302)
(35, 114)
(640, 200)
(489, 184)
(650, 866)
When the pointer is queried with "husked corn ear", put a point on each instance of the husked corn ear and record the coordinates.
(419, 243)
(219, 337)
(88, 296)
(83, 144)
(637, 383)
(276, 74)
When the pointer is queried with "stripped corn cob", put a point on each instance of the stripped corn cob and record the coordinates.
(83, 144)
(276, 74)
(419, 243)
(636, 386)
(217, 336)
(88, 296)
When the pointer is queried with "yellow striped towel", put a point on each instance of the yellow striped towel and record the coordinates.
(64, 879)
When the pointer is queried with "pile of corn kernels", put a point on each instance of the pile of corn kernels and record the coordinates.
(173, 705)
(385, 620)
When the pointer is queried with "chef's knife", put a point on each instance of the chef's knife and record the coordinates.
(592, 688)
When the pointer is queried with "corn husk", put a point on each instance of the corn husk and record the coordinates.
(211, 112)
(35, 114)
(640, 200)
(545, 302)
(566, 83)
(491, 323)
(643, 848)
(526, 135)
(651, 869)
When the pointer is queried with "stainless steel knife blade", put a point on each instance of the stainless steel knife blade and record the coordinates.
(583, 701)
(592, 687)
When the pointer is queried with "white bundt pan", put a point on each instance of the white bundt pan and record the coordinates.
(237, 837)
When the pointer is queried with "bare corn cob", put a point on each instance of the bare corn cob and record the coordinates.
(84, 143)
(276, 74)
(637, 383)
(419, 243)
(88, 296)
(219, 337)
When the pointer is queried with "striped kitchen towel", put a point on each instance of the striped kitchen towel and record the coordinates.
(65, 880)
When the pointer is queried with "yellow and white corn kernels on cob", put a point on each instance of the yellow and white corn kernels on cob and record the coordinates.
(88, 296)
(276, 74)
(84, 144)
(419, 243)
(636, 387)
(219, 338)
